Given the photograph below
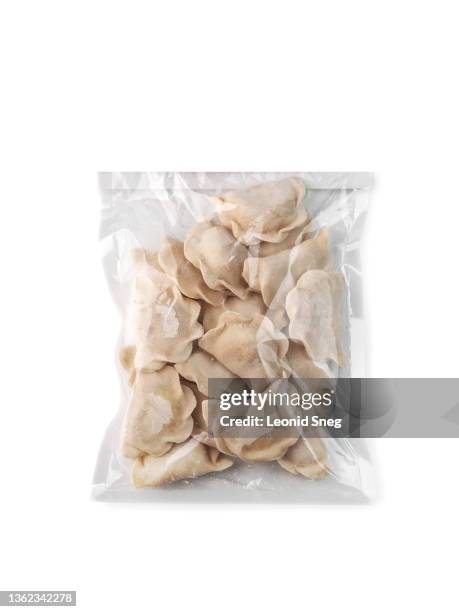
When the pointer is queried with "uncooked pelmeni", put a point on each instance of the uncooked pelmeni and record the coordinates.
(253, 450)
(161, 322)
(293, 238)
(220, 258)
(250, 347)
(173, 261)
(313, 308)
(301, 364)
(188, 460)
(252, 305)
(264, 448)
(308, 457)
(276, 275)
(159, 413)
(264, 212)
(201, 366)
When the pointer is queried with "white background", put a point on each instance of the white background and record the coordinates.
(208, 85)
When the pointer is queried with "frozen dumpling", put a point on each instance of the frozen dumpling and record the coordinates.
(248, 346)
(200, 430)
(173, 261)
(264, 212)
(159, 413)
(220, 258)
(252, 305)
(301, 364)
(262, 448)
(160, 321)
(293, 238)
(307, 457)
(276, 275)
(254, 450)
(313, 308)
(201, 366)
(187, 460)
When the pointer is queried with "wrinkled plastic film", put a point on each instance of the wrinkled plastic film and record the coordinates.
(180, 221)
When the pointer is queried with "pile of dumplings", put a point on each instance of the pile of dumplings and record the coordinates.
(250, 293)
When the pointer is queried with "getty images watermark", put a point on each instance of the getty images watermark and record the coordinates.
(341, 408)
(269, 408)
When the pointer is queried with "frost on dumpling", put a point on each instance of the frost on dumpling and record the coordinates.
(276, 275)
(264, 212)
(220, 258)
(252, 305)
(248, 346)
(173, 261)
(201, 366)
(308, 457)
(313, 308)
(159, 413)
(160, 321)
(187, 460)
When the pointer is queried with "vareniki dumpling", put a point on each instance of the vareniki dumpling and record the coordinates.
(161, 322)
(254, 450)
(275, 275)
(201, 366)
(264, 212)
(313, 308)
(187, 460)
(301, 364)
(293, 238)
(252, 305)
(159, 413)
(173, 261)
(307, 457)
(248, 346)
(220, 258)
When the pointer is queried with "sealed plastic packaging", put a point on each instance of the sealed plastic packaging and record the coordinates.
(230, 276)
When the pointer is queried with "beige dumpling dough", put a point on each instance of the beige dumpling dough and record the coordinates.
(159, 413)
(248, 346)
(276, 275)
(161, 322)
(252, 450)
(200, 430)
(173, 261)
(220, 258)
(187, 460)
(127, 357)
(252, 305)
(264, 212)
(294, 237)
(301, 364)
(308, 457)
(201, 366)
(313, 308)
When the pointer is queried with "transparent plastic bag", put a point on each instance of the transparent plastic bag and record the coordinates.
(220, 239)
